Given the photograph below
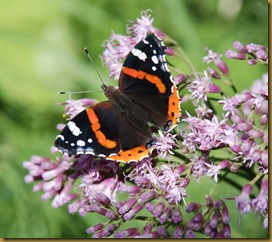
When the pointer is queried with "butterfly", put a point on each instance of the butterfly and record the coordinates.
(122, 127)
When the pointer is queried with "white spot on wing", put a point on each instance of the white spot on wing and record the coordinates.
(155, 59)
(73, 128)
(145, 41)
(80, 143)
(141, 55)
(90, 140)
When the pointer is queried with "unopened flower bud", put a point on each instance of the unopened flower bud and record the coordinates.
(263, 119)
(214, 220)
(225, 215)
(127, 206)
(131, 213)
(226, 231)
(240, 47)
(158, 209)
(222, 66)
(235, 55)
(94, 228)
(213, 73)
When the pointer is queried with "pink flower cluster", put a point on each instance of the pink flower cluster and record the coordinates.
(254, 53)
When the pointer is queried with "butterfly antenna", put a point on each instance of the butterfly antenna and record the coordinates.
(91, 59)
(76, 92)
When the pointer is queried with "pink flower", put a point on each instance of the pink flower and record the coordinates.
(201, 86)
(204, 134)
(260, 203)
(52, 177)
(259, 100)
(117, 48)
(230, 105)
(142, 26)
(243, 202)
(216, 58)
(106, 187)
(172, 184)
(253, 52)
(214, 170)
(165, 144)
(204, 111)
(74, 107)
(199, 168)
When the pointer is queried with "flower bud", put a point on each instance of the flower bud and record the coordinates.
(235, 55)
(255, 133)
(214, 220)
(126, 233)
(127, 206)
(94, 228)
(165, 215)
(209, 201)
(169, 51)
(176, 215)
(252, 62)
(263, 119)
(234, 167)
(213, 73)
(149, 207)
(145, 196)
(207, 229)
(130, 214)
(158, 209)
(222, 66)
(111, 215)
(192, 207)
(180, 79)
(225, 215)
(178, 232)
(163, 232)
(214, 88)
(226, 231)
(190, 234)
(240, 47)
(98, 234)
(223, 164)
(218, 204)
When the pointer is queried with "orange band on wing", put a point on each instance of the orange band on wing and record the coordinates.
(95, 125)
(174, 107)
(143, 75)
(135, 154)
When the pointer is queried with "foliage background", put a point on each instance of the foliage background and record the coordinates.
(41, 53)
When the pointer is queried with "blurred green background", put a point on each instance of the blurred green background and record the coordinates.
(41, 53)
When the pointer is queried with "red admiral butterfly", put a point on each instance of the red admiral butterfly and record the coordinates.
(121, 128)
